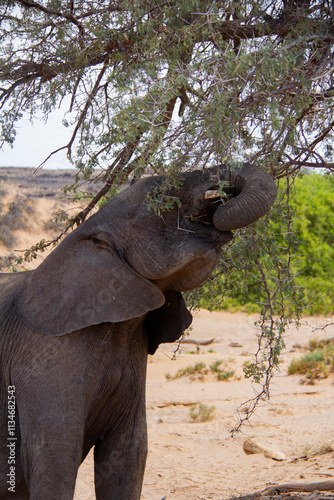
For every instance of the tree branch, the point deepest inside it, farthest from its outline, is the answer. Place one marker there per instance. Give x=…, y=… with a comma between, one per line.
x=66, y=15
x=112, y=173
x=94, y=55
x=80, y=119
x=283, y=488
x=87, y=105
x=118, y=166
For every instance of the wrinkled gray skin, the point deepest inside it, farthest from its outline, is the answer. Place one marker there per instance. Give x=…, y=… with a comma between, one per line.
x=75, y=332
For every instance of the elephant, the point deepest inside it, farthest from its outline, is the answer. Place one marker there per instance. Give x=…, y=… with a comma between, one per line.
x=75, y=333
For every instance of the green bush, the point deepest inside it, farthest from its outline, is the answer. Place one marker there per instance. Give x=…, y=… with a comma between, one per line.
x=288, y=258
x=308, y=364
x=314, y=226
x=222, y=374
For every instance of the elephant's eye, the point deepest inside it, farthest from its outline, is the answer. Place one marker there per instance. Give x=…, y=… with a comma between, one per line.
x=101, y=242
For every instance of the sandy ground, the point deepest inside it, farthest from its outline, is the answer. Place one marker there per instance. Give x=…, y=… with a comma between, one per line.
x=190, y=460
x=37, y=197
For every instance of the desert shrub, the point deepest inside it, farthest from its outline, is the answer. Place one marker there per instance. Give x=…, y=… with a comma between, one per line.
x=222, y=373
x=215, y=366
x=202, y=412
x=53, y=226
x=311, y=363
x=6, y=262
x=322, y=449
x=321, y=344
x=12, y=220
x=6, y=236
x=199, y=370
x=317, y=363
x=2, y=194
x=225, y=375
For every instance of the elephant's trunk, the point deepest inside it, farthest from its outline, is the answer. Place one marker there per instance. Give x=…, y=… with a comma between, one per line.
x=254, y=192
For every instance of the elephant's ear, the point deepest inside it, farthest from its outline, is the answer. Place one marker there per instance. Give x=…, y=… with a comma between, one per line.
x=83, y=282
x=167, y=323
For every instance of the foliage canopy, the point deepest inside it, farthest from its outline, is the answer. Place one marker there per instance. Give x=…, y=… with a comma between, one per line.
x=154, y=86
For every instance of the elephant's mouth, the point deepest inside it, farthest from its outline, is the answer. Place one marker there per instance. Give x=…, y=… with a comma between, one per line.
x=206, y=215
x=198, y=218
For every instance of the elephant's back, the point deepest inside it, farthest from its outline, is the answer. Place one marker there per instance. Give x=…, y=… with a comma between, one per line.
x=10, y=283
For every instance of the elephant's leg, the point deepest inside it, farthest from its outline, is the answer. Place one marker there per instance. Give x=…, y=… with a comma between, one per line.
x=18, y=493
x=8, y=495
x=51, y=465
x=52, y=437
x=120, y=460
x=12, y=486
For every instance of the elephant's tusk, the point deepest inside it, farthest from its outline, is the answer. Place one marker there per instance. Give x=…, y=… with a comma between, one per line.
x=212, y=194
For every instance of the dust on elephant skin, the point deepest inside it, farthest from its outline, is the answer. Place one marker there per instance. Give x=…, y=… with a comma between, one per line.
x=75, y=332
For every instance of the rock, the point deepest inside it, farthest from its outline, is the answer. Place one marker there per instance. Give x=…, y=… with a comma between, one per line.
x=251, y=446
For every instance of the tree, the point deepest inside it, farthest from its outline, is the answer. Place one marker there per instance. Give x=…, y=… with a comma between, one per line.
x=249, y=80
x=157, y=86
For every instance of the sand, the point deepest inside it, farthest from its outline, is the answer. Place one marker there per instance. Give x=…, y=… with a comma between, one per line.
x=190, y=460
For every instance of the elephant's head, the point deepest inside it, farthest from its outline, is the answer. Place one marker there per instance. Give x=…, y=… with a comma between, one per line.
x=180, y=249
x=126, y=261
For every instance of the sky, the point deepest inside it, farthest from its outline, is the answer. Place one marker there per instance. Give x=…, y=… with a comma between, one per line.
x=35, y=142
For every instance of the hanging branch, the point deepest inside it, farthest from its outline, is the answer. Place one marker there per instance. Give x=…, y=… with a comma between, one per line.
x=81, y=118
x=112, y=173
